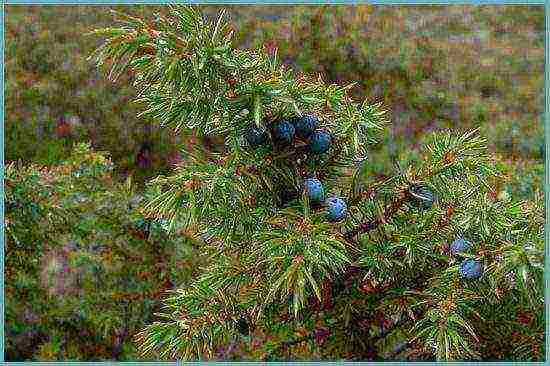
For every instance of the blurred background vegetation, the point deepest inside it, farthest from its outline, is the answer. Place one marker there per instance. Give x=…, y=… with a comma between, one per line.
x=433, y=67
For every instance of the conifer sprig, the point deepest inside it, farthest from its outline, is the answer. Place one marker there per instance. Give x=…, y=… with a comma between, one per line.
x=271, y=248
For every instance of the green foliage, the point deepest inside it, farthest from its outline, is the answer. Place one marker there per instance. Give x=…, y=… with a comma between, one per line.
x=78, y=265
x=269, y=258
x=435, y=67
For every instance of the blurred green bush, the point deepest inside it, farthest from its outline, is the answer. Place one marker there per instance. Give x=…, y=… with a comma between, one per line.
x=54, y=97
x=83, y=269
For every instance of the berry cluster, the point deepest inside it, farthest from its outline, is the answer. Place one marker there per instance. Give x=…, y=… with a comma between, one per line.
x=284, y=132
x=469, y=268
x=305, y=128
x=335, y=206
x=423, y=199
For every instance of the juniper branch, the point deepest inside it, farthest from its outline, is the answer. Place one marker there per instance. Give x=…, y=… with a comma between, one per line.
x=263, y=254
x=367, y=226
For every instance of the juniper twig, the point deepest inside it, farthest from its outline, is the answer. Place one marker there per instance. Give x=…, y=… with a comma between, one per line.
x=390, y=211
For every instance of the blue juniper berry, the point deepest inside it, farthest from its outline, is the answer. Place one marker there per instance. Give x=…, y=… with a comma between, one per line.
x=243, y=325
x=460, y=245
x=284, y=132
x=422, y=197
x=319, y=142
x=314, y=190
x=256, y=136
x=305, y=125
x=470, y=269
x=336, y=209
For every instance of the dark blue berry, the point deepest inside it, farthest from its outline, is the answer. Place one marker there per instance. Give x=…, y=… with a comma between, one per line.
x=460, y=245
x=305, y=125
x=319, y=142
x=256, y=136
x=243, y=326
x=422, y=197
x=284, y=132
x=336, y=209
x=470, y=269
x=314, y=190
